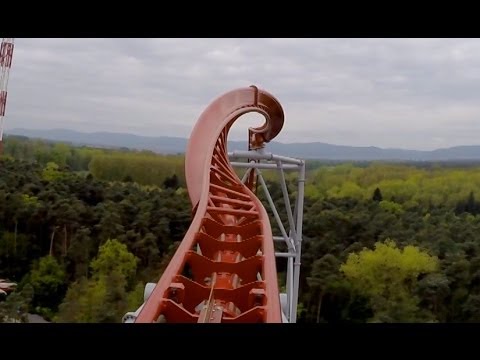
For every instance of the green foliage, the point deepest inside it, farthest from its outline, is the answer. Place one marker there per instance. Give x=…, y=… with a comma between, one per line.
x=425, y=185
x=471, y=308
x=300, y=310
x=346, y=190
x=17, y=305
x=135, y=297
x=391, y=207
x=30, y=201
x=324, y=273
x=171, y=182
x=311, y=191
x=144, y=168
x=113, y=257
x=60, y=154
x=434, y=289
x=84, y=302
x=48, y=281
x=69, y=201
x=324, y=279
x=104, y=297
x=51, y=172
x=388, y=277
x=377, y=195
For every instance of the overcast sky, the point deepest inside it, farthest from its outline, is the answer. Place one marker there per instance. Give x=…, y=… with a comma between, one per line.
x=401, y=93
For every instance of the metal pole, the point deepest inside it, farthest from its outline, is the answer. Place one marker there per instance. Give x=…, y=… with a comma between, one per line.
x=244, y=178
x=264, y=166
x=290, y=277
x=275, y=212
x=286, y=199
x=290, y=287
x=285, y=255
x=301, y=188
x=264, y=156
x=291, y=268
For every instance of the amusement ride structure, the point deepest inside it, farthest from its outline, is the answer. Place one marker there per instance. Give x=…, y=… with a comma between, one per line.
x=6, y=55
x=224, y=270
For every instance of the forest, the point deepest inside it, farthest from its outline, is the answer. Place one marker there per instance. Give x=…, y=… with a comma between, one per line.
x=83, y=229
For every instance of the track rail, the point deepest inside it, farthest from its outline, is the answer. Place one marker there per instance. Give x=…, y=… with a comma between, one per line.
x=224, y=269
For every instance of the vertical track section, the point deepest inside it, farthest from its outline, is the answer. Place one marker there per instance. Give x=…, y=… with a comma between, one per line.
x=224, y=269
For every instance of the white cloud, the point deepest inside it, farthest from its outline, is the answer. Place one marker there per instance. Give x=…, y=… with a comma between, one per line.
x=408, y=93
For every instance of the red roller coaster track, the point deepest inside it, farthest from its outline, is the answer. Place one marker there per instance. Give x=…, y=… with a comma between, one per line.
x=224, y=269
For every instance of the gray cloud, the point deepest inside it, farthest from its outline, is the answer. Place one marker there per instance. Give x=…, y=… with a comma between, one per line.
x=400, y=93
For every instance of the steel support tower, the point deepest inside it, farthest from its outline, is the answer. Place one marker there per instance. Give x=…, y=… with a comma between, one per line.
x=6, y=55
x=292, y=236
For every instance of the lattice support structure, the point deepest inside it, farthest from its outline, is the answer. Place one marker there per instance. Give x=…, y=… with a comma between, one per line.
x=292, y=236
x=6, y=56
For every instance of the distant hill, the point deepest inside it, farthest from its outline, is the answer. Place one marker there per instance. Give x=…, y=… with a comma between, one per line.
x=313, y=150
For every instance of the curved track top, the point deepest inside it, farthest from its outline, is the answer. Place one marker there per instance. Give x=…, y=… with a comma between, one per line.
x=224, y=269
